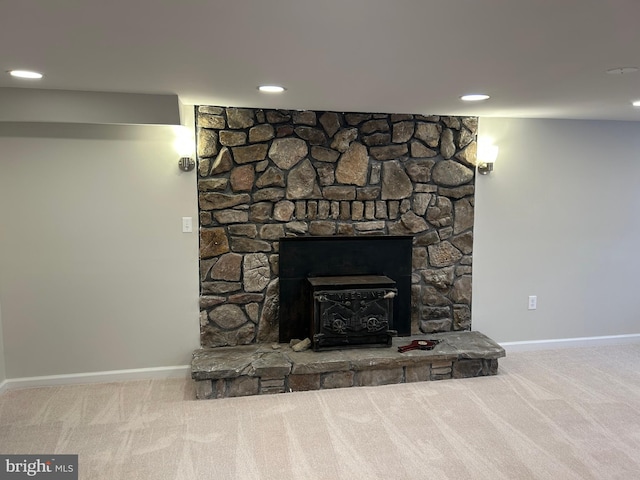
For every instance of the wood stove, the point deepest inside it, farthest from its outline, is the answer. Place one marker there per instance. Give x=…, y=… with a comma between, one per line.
x=352, y=311
x=306, y=262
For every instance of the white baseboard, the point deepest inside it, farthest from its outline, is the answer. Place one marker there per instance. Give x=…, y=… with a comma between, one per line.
x=528, y=346
x=179, y=371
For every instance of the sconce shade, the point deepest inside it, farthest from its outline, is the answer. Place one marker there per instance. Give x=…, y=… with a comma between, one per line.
x=487, y=155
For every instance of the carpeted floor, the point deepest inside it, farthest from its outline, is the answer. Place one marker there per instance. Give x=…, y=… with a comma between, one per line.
x=559, y=414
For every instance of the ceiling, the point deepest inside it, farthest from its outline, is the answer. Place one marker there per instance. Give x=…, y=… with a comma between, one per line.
x=536, y=58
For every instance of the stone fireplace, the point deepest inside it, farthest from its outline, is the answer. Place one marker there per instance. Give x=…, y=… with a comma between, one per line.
x=264, y=175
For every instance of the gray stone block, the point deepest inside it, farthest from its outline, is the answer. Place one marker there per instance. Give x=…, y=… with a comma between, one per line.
x=204, y=389
x=243, y=386
x=272, y=386
x=218, y=363
x=271, y=365
x=337, y=380
x=318, y=362
x=419, y=373
x=467, y=368
x=441, y=371
x=384, y=376
x=219, y=388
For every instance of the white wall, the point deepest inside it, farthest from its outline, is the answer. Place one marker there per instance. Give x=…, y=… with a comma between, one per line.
x=558, y=218
x=95, y=272
x=96, y=275
x=3, y=374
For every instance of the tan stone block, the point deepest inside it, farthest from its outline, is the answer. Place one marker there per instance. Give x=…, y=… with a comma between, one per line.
x=357, y=211
x=252, y=153
x=441, y=371
x=227, y=268
x=240, y=117
x=242, y=178
x=230, y=138
x=345, y=211
x=261, y=133
x=322, y=227
x=213, y=242
x=287, y=152
x=353, y=166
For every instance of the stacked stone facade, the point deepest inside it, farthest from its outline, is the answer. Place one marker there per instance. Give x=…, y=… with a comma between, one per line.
x=265, y=174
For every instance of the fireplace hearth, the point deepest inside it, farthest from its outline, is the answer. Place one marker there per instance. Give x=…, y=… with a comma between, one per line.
x=260, y=369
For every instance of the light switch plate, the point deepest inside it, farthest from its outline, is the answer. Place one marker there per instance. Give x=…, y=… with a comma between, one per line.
x=187, y=224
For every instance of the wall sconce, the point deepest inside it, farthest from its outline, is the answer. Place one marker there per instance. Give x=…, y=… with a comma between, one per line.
x=487, y=154
x=184, y=145
x=186, y=164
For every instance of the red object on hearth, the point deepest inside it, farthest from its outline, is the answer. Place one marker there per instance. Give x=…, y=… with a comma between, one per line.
x=419, y=345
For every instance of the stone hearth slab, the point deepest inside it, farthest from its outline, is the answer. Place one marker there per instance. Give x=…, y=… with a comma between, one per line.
x=265, y=368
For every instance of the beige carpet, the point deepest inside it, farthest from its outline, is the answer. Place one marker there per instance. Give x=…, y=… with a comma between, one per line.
x=561, y=414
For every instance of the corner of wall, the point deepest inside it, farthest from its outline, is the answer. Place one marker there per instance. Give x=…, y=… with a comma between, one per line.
x=187, y=115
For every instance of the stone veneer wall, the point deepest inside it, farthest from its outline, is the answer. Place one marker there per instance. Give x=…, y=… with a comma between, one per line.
x=265, y=174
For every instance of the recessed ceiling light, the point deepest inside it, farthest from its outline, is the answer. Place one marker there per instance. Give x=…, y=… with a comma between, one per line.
x=271, y=88
x=475, y=97
x=622, y=70
x=636, y=103
x=25, y=74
